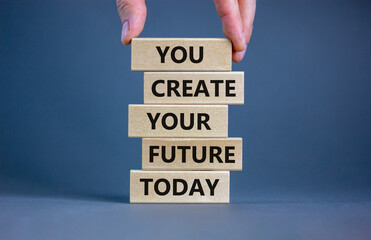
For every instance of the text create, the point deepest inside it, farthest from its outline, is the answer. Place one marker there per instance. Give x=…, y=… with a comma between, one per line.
x=173, y=86
x=194, y=88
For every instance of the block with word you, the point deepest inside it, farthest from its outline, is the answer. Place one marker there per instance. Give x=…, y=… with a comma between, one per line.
x=181, y=54
x=179, y=186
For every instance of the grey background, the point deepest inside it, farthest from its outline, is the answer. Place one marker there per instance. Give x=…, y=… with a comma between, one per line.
x=65, y=156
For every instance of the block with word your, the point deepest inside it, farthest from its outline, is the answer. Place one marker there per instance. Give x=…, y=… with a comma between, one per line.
x=178, y=121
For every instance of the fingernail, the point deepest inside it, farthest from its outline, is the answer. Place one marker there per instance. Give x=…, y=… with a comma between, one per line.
x=125, y=29
x=244, y=40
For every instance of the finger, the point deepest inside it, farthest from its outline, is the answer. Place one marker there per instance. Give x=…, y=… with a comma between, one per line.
x=229, y=13
x=247, y=12
x=133, y=16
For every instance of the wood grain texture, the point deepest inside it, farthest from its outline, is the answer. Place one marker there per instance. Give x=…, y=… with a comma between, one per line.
x=172, y=121
x=192, y=154
x=146, y=54
x=191, y=186
x=194, y=88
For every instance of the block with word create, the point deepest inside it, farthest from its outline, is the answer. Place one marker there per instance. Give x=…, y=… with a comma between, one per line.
x=194, y=88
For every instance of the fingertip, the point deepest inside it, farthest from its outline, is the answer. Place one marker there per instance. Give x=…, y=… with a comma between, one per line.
x=238, y=56
x=126, y=42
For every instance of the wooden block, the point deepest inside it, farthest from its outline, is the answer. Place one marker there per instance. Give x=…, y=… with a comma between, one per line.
x=179, y=186
x=193, y=87
x=192, y=154
x=178, y=121
x=181, y=54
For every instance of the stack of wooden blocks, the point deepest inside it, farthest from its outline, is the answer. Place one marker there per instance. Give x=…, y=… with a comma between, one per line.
x=186, y=152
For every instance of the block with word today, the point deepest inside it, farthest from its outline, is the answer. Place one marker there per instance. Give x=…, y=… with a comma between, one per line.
x=192, y=154
x=179, y=186
x=178, y=121
x=181, y=54
x=194, y=87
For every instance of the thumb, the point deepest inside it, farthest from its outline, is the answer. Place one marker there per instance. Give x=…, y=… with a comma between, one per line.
x=133, y=16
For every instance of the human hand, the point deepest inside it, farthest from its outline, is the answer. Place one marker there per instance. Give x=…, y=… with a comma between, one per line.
x=237, y=19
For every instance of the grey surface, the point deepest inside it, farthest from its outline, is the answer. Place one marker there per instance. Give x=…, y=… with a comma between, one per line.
x=65, y=83
x=52, y=218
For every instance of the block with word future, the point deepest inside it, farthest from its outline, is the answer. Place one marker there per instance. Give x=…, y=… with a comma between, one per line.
x=192, y=154
x=178, y=121
x=179, y=186
x=181, y=54
x=193, y=87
